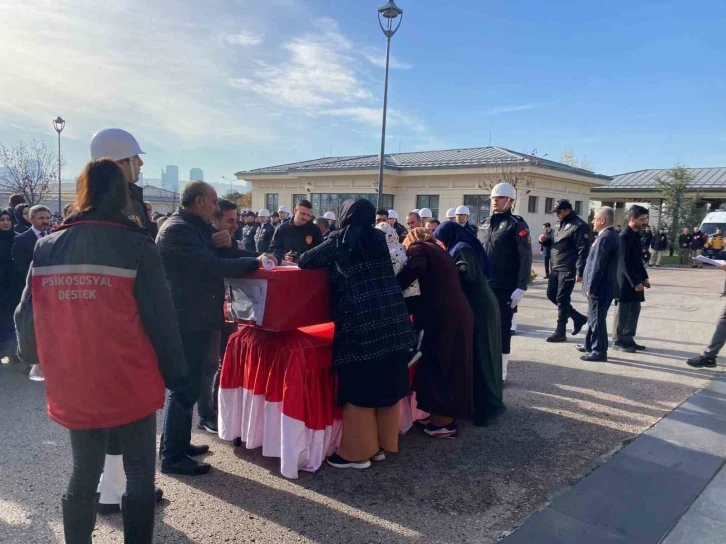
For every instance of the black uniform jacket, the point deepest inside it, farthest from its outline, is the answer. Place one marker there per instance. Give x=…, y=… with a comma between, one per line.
x=571, y=245
x=288, y=237
x=508, y=244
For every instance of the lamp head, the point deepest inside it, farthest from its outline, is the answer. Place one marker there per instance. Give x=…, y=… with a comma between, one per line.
x=58, y=124
x=390, y=10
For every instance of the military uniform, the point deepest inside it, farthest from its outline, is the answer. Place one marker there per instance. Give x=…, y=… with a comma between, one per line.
x=570, y=247
x=508, y=244
x=263, y=238
x=137, y=212
x=249, y=232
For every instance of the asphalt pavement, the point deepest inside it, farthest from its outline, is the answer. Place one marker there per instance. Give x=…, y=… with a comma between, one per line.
x=565, y=418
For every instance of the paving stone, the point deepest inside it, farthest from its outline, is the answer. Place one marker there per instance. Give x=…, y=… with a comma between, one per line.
x=697, y=529
x=712, y=502
x=697, y=463
x=632, y=498
x=553, y=527
x=706, y=402
x=694, y=431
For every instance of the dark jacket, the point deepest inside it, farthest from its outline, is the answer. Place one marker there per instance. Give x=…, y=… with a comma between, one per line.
x=571, y=245
x=546, y=246
x=137, y=212
x=508, y=244
x=371, y=319
x=631, y=268
x=263, y=238
x=22, y=252
x=248, y=236
x=646, y=239
x=660, y=242
x=401, y=231
x=298, y=240
x=601, y=270
x=684, y=241
x=196, y=273
x=103, y=336
x=699, y=240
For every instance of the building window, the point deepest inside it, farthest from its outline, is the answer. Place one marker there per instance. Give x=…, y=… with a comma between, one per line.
x=271, y=202
x=428, y=201
x=578, y=207
x=532, y=204
x=479, y=208
x=549, y=204
x=331, y=202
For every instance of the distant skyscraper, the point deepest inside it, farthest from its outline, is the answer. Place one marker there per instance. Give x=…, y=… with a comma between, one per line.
x=196, y=174
x=170, y=178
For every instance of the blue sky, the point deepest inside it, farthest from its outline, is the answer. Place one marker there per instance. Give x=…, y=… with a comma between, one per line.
x=229, y=86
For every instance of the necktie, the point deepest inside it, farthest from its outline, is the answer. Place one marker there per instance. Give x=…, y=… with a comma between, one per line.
x=42, y=234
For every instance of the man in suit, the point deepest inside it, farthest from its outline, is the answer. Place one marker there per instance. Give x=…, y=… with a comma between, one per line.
x=24, y=244
x=632, y=281
x=600, y=284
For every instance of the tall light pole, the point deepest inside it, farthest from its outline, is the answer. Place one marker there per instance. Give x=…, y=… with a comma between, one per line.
x=390, y=11
x=59, y=124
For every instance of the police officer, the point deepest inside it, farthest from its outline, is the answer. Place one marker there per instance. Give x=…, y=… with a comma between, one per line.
x=507, y=242
x=462, y=217
x=264, y=234
x=249, y=231
x=400, y=229
x=330, y=216
x=285, y=214
x=570, y=248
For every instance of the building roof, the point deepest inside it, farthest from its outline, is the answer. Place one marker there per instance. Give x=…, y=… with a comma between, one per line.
x=646, y=180
x=449, y=158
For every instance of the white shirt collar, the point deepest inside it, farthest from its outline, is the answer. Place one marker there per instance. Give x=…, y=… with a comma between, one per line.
x=38, y=234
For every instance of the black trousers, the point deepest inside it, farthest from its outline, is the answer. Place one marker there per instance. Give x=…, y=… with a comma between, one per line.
x=180, y=402
x=626, y=322
x=597, y=332
x=207, y=404
x=138, y=446
x=559, y=292
x=547, y=266
x=504, y=298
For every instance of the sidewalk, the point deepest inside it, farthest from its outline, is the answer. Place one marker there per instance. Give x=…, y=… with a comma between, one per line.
x=668, y=485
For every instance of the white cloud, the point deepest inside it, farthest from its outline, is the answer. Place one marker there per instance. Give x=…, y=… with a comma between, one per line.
x=373, y=116
x=507, y=109
x=243, y=39
x=378, y=58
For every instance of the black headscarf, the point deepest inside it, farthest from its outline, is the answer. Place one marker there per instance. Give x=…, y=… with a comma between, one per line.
x=455, y=238
x=21, y=224
x=6, y=239
x=356, y=234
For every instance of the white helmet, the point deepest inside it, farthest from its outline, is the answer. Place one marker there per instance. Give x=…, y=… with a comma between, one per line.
x=416, y=211
x=425, y=213
x=451, y=212
x=392, y=214
x=283, y=209
x=114, y=143
x=264, y=213
x=504, y=189
x=329, y=215
x=462, y=210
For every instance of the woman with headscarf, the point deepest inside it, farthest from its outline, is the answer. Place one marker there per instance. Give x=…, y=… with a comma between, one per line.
x=398, y=259
x=473, y=266
x=443, y=382
x=22, y=214
x=373, y=335
x=9, y=287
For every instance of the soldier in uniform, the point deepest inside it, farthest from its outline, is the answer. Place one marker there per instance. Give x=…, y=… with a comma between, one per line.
x=570, y=248
x=249, y=231
x=263, y=238
x=507, y=242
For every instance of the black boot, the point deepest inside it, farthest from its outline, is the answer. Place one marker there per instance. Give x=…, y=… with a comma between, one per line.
x=79, y=518
x=138, y=517
x=579, y=321
x=557, y=336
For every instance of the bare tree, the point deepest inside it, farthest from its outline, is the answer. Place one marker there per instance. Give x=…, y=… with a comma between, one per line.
x=516, y=172
x=568, y=157
x=29, y=169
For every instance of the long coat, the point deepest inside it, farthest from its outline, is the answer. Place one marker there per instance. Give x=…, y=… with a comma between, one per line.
x=443, y=381
x=601, y=269
x=631, y=268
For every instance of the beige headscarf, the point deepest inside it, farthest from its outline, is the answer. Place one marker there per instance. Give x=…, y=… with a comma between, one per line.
x=419, y=234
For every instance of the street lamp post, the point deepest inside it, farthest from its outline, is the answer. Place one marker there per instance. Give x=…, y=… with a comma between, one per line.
x=390, y=11
x=59, y=124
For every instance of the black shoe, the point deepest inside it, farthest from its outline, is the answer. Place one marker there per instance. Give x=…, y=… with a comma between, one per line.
x=638, y=347
x=557, y=337
x=702, y=361
x=79, y=517
x=623, y=347
x=581, y=348
x=158, y=495
x=337, y=461
x=138, y=518
x=193, y=451
x=578, y=324
x=208, y=425
x=186, y=466
x=595, y=357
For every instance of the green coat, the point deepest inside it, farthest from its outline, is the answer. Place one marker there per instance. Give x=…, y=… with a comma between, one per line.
x=487, y=337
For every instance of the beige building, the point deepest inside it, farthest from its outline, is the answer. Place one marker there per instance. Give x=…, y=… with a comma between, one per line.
x=432, y=179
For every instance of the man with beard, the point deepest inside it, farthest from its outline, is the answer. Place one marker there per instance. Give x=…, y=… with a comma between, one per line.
x=295, y=237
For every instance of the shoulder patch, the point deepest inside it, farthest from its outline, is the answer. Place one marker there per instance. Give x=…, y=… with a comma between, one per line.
x=586, y=236
x=522, y=233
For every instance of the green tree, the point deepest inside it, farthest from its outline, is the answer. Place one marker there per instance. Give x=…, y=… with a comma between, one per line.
x=680, y=204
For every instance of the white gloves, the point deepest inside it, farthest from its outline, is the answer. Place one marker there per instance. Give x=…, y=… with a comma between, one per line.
x=516, y=297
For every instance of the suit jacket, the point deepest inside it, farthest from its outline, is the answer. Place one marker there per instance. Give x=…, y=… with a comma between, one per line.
x=601, y=269
x=631, y=268
x=23, y=253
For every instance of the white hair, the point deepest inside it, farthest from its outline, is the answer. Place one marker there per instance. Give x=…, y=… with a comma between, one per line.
x=607, y=213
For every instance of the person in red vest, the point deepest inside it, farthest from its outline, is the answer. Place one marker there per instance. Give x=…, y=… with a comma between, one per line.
x=110, y=350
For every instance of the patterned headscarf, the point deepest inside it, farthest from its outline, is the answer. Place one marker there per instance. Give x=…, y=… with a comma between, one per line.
x=419, y=234
x=399, y=258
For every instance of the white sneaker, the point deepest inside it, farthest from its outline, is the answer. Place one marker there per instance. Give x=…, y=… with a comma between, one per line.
x=36, y=374
x=380, y=456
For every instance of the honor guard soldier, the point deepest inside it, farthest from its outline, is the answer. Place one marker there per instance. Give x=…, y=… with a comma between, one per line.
x=507, y=242
x=265, y=232
x=570, y=248
x=249, y=231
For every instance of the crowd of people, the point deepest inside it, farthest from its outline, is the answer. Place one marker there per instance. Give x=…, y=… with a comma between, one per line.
x=113, y=271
